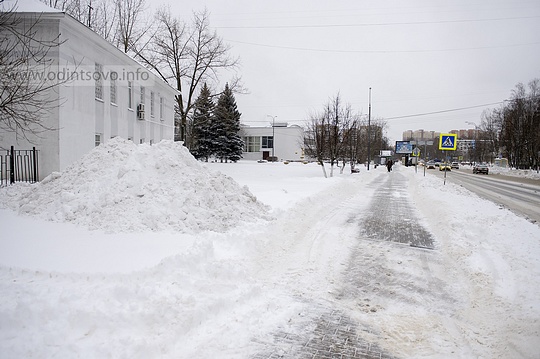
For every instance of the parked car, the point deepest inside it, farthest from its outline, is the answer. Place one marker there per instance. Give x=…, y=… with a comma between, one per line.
x=455, y=165
x=430, y=165
x=444, y=167
x=480, y=168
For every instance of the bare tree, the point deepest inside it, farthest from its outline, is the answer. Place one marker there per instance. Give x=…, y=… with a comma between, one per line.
x=27, y=91
x=352, y=141
x=332, y=135
x=79, y=9
x=340, y=119
x=378, y=139
x=358, y=149
x=490, y=127
x=186, y=56
x=120, y=22
x=315, y=139
x=521, y=125
x=104, y=20
x=130, y=23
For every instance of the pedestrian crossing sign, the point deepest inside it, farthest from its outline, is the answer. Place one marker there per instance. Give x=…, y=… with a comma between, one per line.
x=448, y=141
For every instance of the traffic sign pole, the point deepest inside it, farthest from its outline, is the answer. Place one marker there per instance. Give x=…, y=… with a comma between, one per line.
x=447, y=142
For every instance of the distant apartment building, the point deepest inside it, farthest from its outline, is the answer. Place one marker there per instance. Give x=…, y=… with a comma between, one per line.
x=423, y=135
x=467, y=134
x=420, y=135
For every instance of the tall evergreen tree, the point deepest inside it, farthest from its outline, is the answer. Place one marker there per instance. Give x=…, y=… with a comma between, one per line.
x=202, y=125
x=228, y=143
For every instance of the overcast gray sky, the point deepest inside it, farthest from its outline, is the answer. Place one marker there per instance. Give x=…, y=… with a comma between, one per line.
x=418, y=56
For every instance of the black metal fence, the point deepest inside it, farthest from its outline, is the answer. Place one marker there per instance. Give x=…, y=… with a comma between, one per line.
x=19, y=166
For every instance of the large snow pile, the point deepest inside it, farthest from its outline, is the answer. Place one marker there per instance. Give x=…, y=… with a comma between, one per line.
x=120, y=186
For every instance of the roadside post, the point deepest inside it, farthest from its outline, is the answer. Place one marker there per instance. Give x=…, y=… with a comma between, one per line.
x=416, y=153
x=447, y=142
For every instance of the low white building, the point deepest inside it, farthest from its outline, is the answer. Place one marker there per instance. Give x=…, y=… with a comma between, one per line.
x=281, y=141
x=101, y=93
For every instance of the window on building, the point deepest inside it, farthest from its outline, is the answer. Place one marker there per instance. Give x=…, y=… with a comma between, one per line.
x=252, y=144
x=267, y=141
x=97, y=139
x=142, y=94
x=152, y=103
x=130, y=94
x=141, y=141
x=161, y=106
x=98, y=79
x=113, y=87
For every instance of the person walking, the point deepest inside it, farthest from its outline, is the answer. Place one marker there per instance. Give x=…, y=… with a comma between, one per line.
x=389, y=164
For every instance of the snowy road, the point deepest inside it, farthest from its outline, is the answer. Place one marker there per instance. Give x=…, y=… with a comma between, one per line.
x=519, y=195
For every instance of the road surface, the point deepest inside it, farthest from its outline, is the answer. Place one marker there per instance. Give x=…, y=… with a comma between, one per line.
x=520, y=195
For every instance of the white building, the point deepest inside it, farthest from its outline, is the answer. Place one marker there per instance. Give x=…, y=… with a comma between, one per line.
x=101, y=93
x=281, y=141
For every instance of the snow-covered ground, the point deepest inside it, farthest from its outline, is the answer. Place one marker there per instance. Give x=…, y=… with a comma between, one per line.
x=534, y=174
x=142, y=252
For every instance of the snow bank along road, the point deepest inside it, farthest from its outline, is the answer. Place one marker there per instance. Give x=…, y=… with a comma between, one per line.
x=406, y=288
x=521, y=195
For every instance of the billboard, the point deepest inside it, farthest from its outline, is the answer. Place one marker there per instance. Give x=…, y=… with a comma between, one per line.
x=404, y=147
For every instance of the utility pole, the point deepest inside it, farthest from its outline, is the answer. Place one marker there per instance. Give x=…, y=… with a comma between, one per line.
x=369, y=132
x=90, y=8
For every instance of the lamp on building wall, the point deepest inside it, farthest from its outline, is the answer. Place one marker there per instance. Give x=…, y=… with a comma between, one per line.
x=273, y=137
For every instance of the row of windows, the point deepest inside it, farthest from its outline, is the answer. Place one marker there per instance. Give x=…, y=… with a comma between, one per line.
x=114, y=91
x=255, y=143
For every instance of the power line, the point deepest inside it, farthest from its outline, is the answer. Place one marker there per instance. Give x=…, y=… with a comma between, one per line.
x=379, y=51
x=461, y=108
x=443, y=111
x=432, y=113
x=376, y=24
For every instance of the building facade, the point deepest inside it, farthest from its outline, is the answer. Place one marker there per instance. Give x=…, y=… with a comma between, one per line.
x=100, y=93
x=280, y=142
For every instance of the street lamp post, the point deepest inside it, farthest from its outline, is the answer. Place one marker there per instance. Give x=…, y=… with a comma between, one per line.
x=475, y=137
x=273, y=135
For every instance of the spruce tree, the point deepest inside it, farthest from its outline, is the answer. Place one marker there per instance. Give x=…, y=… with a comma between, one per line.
x=228, y=143
x=202, y=122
